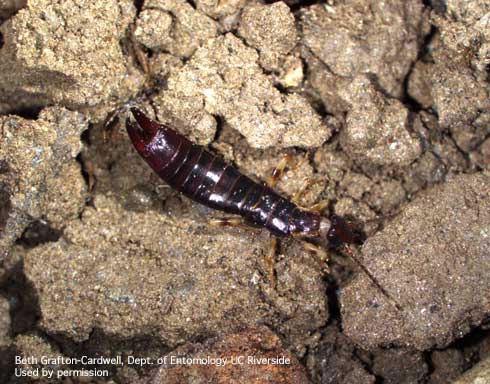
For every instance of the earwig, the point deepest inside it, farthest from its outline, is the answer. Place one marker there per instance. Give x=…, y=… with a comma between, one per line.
x=207, y=179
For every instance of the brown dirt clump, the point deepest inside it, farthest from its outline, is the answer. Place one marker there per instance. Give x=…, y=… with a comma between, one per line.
x=431, y=261
x=376, y=128
x=223, y=78
x=39, y=177
x=174, y=26
x=447, y=365
x=399, y=366
x=259, y=343
x=66, y=53
x=359, y=37
x=273, y=39
x=459, y=77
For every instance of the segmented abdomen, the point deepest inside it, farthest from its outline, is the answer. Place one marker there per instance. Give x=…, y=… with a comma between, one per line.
x=207, y=179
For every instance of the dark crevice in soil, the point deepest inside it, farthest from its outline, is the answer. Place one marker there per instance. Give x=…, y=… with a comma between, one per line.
x=139, y=5
x=459, y=149
x=412, y=104
x=295, y=5
x=28, y=113
x=311, y=96
x=88, y=178
x=481, y=142
x=24, y=303
x=281, y=88
x=85, y=174
x=471, y=345
x=24, y=313
x=5, y=205
x=1, y=40
x=428, y=361
x=220, y=122
x=437, y=5
x=85, y=137
x=374, y=79
x=319, y=107
x=37, y=233
x=426, y=48
x=332, y=289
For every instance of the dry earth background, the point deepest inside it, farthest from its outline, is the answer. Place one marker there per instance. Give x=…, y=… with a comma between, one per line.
x=385, y=104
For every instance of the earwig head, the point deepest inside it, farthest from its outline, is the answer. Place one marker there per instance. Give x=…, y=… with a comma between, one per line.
x=141, y=130
x=340, y=232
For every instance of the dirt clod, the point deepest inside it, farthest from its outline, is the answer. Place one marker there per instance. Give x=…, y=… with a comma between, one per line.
x=431, y=262
x=66, y=52
x=153, y=28
x=190, y=28
x=447, y=365
x=376, y=128
x=258, y=343
x=359, y=37
x=39, y=177
x=223, y=78
x=400, y=366
x=333, y=359
x=273, y=40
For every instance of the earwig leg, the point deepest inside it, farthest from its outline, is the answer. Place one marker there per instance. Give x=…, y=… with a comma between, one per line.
x=319, y=207
x=227, y=222
x=279, y=170
x=308, y=183
x=270, y=261
x=232, y=222
x=320, y=252
x=301, y=162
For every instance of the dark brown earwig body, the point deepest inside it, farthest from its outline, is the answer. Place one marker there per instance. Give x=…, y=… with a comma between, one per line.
x=207, y=179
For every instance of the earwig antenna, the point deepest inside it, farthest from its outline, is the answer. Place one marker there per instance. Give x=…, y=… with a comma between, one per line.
x=391, y=300
x=380, y=219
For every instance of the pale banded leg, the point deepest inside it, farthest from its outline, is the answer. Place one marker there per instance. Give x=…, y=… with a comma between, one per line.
x=279, y=170
x=320, y=252
x=318, y=207
x=226, y=221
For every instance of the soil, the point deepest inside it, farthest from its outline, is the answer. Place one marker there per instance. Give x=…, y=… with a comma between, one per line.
x=384, y=109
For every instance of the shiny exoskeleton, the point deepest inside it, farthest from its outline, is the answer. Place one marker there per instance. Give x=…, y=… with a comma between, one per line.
x=207, y=179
